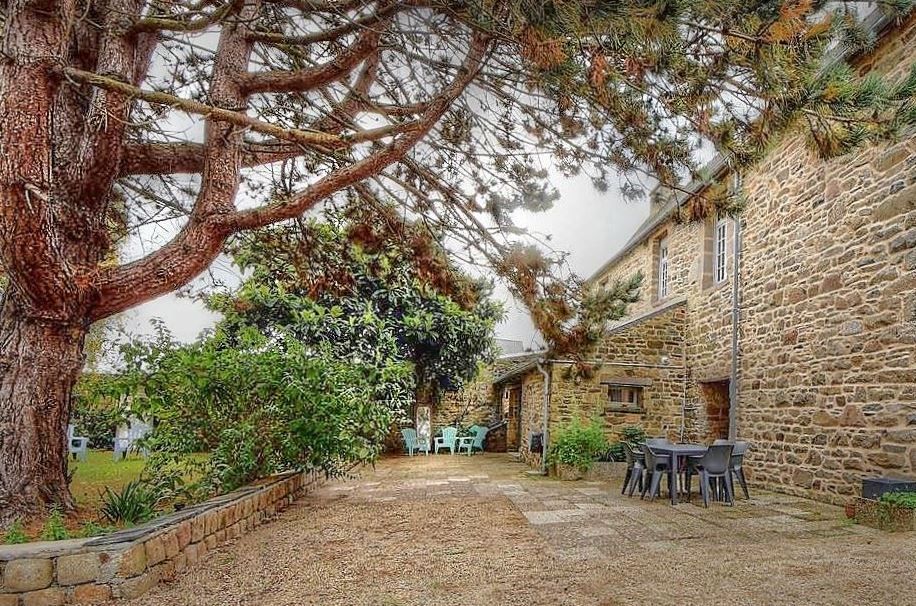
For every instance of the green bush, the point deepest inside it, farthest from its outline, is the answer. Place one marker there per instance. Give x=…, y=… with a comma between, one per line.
x=97, y=409
x=259, y=405
x=54, y=528
x=134, y=503
x=900, y=499
x=578, y=444
x=15, y=534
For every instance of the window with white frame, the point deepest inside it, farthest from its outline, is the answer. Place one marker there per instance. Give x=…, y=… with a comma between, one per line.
x=720, y=251
x=663, y=268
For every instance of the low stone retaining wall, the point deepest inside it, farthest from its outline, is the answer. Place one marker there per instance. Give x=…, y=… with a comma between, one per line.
x=598, y=472
x=128, y=563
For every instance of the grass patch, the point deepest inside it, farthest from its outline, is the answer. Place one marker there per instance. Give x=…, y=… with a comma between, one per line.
x=101, y=471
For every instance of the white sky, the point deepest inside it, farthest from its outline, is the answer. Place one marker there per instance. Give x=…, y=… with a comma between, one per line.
x=589, y=225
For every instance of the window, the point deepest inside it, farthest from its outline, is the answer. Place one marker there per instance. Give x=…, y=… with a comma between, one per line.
x=624, y=397
x=663, y=268
x=720, y=259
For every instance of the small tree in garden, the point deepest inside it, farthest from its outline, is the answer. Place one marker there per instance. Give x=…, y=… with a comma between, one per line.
x=117, y=115
x=370, y=290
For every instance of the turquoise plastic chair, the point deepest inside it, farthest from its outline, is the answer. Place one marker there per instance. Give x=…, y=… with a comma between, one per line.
x=411, y=443
x=447, y=439
x=479, y=437
x=410, y=439
x=480, y=433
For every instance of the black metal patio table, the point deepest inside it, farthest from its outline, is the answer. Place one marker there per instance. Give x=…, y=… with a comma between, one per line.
x=675, y=452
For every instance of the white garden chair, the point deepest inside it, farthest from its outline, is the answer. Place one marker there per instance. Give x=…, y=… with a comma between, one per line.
x=78, y=446
x=127, y=435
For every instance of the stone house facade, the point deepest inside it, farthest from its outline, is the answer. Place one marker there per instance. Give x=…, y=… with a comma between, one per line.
x=824, y=377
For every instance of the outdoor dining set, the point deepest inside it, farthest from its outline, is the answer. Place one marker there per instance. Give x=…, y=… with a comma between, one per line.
x=717, y=466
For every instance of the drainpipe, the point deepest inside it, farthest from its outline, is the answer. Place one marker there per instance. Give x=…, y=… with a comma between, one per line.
x=733, y=380
x=546, y=413
x=682, y=435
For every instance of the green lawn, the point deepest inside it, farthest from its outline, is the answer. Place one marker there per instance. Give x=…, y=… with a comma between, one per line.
x=90, y=478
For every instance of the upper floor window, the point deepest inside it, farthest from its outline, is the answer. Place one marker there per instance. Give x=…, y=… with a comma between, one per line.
x=720, y=251
x=663, y=268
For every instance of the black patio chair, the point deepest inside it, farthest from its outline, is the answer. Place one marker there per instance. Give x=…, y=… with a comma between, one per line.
x=714, y=465
x=636, y=467
x=656, y=467
x=736, y=466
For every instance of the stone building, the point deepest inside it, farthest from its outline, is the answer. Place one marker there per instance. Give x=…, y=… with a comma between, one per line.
x=480, y=402
x=812, y=358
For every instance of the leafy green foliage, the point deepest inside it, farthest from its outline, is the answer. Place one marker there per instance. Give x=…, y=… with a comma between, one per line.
x=899, y=499
x=15, y=534
x=54, y=528
x=258, y=405
x=133, y=504
x=93, y=529
x=372, y=290
x=97, y=408
x=577, y=444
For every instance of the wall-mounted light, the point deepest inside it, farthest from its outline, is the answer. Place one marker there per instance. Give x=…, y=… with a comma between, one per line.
x=665, y=361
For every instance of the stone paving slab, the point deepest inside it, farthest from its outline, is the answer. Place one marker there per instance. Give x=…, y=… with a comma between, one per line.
x=592, y=519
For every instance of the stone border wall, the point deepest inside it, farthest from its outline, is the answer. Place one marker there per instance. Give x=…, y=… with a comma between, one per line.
x=127, y=563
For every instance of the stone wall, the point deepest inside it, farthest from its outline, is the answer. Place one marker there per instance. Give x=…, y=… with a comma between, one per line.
x=708, y=305
x=827, y=374
x=648, y=351
x=828, y=335
x=128, y=563
x=475, y=404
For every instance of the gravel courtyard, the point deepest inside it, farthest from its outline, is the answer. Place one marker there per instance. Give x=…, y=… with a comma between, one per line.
x=478, y=530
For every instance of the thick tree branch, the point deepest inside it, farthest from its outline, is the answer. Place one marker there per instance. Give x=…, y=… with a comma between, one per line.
x=372, y=164
x=183, y=24
x=334, y=33
x=198, y=243
x=316, y=77
x=188, y=158
x=317, y=140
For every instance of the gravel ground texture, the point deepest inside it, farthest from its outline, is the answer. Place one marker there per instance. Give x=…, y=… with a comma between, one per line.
x=480, y=531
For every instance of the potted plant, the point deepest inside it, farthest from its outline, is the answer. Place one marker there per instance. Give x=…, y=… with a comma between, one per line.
x=574, y=448
x=893, y=511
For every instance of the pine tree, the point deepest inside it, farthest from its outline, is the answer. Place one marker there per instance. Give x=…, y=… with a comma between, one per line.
x=216, y=117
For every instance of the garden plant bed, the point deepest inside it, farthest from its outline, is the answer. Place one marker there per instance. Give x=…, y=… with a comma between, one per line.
x=884, y=516
x=127, y=563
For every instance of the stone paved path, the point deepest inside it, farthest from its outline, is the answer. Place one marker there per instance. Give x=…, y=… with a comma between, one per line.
x=479, y=530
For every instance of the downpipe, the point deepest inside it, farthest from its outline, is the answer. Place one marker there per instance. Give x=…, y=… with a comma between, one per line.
x=545, y=415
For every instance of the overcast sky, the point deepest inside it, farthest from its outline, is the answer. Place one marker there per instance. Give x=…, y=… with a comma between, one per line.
x=589, y=225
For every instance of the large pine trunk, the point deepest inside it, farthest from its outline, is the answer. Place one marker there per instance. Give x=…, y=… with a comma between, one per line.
x=40, y=362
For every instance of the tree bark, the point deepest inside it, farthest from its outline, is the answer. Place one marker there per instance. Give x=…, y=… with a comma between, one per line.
x=40, y=361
